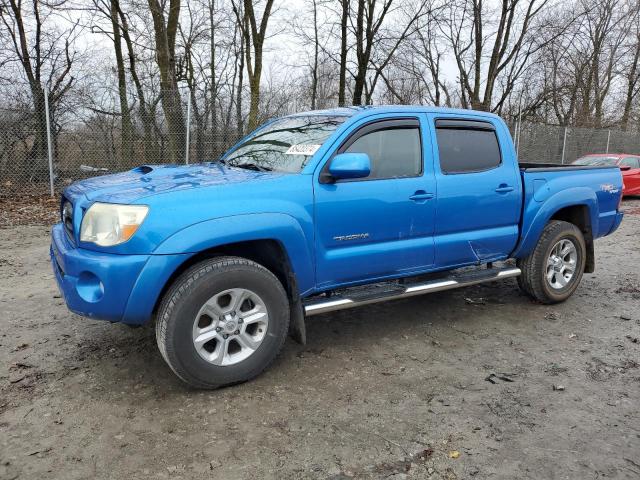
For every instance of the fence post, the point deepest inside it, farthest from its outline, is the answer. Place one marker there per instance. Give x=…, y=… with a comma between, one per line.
x=519, y=127
x=608, y=138
x=49, y=148
x=564, y=145
x=186, y=150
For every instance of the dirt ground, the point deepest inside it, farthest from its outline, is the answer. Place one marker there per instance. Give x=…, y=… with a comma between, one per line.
x=386, y=391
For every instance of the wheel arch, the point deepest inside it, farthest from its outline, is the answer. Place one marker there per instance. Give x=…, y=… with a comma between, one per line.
x=579, y=216
x=578, y=206
x=275, y=241
x=269, y=253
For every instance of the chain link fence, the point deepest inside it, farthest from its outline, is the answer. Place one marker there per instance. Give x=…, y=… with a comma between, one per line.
x=87, y=142
x=36, y=155
x=538, y=143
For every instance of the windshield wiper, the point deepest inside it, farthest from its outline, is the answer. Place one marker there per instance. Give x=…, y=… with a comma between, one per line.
x=251, y=166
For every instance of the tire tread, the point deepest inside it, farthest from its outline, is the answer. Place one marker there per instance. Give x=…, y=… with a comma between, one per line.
x=532, y=277
x=182, y=287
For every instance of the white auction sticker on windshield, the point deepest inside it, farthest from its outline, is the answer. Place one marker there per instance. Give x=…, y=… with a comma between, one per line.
x=302, y=149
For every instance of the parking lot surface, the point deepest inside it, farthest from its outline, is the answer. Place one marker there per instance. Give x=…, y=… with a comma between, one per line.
x=472, y=383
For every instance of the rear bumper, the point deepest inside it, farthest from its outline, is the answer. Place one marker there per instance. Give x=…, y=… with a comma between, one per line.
x=117, y=288
x=616, y=222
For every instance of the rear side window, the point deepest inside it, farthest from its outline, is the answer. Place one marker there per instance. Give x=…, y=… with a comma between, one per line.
x=394, y=152
x=633, y=162
x=466, y=146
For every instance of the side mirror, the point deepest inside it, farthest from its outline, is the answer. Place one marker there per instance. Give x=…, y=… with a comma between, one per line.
x=624, y=168
x=350, y=165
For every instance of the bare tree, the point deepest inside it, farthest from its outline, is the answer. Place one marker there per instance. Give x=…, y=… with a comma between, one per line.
x=415, y=75
x=45, y=56
x=505, y=36
x=632, y=72
x=110, y=10
x=253, y=36
x=368, y=22
x=146, y=116
x=344, y=18
x=165, y=45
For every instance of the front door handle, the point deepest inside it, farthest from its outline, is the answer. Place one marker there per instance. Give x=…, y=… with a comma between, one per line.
x=421, y=195
x=504, y=188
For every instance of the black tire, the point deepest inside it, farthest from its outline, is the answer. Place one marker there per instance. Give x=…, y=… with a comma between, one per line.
x=533, y=280
x=182, y=302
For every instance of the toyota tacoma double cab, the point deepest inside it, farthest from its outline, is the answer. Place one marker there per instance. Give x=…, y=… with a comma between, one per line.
x=321, y=211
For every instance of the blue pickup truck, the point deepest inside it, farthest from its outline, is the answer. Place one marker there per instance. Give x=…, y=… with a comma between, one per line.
x=317, y=212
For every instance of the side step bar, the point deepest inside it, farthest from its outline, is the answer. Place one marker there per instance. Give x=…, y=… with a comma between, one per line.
x=376, y=294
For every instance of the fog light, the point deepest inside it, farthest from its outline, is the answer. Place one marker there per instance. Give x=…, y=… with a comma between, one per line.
x=89, y=287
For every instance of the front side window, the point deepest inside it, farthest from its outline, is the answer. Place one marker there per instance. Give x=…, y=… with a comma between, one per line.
x=393, y=152
x=632, y=162
x=285, y=145
x=466, y=150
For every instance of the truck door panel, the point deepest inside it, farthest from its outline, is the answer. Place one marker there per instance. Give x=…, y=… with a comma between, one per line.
x=381, y=225
x=479, y=192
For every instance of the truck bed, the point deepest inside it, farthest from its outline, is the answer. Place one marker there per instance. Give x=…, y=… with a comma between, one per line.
x=556, y=167
x=588, y=192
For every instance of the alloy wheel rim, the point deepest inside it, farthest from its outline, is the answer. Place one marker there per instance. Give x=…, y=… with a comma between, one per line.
x=561, y=264
x=230, y=326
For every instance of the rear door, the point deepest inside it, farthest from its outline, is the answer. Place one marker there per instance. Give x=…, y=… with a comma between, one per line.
x=382, y=225
x=479, y=193
x=631, y=177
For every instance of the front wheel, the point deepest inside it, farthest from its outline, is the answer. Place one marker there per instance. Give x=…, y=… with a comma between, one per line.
x=222, y=322
x=552, y=272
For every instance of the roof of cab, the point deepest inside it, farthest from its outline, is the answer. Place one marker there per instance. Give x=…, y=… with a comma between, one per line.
x=363, y=110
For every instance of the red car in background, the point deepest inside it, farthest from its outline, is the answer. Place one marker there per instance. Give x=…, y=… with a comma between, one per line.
x=629, y=165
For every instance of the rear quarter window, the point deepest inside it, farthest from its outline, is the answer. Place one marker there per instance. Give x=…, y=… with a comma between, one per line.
x=467, y=149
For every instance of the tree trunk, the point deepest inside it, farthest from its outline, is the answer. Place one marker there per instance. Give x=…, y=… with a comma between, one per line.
x=254, y=89
x=239, y=126
x=361, y=74
x=343, y=52
x=165, y=39
x=39, y=154
x=212, y=68
x=150, y=153
x=125, y=113
x=633, y=77
x=314, y=71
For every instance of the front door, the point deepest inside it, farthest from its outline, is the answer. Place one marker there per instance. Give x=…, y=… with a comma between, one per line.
x=382, y=225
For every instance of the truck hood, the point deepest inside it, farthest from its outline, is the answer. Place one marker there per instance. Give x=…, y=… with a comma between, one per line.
x=148, y=180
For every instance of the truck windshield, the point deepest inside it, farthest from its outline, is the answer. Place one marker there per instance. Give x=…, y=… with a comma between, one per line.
x=285, y=145
x=596, y=160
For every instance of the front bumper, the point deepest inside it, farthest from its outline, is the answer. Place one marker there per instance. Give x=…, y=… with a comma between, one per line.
x=93, y=284
x=104, y=286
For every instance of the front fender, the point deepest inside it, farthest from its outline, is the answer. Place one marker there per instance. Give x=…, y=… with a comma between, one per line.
x=538, y=213
x=240, y=228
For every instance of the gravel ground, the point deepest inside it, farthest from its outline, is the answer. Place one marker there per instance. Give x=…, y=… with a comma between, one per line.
x=396, y=390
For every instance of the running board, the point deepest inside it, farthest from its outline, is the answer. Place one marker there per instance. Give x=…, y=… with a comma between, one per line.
x=388, y=292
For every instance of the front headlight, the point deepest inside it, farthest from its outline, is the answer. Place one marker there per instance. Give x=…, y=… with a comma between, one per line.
x=108, y=224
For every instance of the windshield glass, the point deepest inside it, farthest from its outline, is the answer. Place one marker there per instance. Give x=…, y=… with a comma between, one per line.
x=596, y=160
x=285, y=145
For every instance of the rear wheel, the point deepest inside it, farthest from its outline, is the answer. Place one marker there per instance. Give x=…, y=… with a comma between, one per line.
x=222, y=322
x=552, y=272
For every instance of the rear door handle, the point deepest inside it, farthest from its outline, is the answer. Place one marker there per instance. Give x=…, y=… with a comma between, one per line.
x=504, y=188
x=421, y=195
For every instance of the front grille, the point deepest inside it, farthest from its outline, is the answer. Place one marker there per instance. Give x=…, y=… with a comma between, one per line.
x=67, y=217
